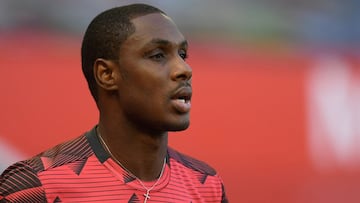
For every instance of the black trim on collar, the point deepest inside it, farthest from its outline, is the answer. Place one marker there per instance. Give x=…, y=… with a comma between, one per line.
x=96, y=146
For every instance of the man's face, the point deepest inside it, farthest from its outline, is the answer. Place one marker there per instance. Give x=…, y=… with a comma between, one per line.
x=155, y=89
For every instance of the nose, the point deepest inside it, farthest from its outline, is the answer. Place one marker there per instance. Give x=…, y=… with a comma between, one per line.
x=181, y=71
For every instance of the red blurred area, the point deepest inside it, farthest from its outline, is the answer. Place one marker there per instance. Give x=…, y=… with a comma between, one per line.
x=248, y=116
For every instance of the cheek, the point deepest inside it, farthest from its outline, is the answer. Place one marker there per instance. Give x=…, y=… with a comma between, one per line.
x=150, y=84
x=147, y=84
x=151, y=91
x=146, y=92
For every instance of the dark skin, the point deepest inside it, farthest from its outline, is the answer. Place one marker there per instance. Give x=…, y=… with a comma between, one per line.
x=144, y=94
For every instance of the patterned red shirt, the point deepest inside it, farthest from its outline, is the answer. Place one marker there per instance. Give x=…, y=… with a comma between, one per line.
x=82, y=171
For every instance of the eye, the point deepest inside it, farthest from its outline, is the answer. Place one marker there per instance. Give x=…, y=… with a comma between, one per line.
x=183, y=54
x=157, y=56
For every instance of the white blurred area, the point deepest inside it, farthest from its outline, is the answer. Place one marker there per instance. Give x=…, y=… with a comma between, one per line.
x=333, y=89
x=8, y=154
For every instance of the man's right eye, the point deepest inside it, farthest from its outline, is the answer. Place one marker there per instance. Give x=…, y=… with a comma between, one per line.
x=157, y=56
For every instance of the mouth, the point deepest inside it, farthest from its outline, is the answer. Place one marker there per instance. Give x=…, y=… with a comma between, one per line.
x=183, y=95
x=182, y=100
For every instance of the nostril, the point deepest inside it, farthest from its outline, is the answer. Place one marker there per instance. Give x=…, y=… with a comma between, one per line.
x=183, y=76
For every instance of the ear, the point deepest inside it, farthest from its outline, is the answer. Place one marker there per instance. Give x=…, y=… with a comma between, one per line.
x=106, y=74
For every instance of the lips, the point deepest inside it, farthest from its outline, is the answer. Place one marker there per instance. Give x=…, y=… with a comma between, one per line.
x=182, y=99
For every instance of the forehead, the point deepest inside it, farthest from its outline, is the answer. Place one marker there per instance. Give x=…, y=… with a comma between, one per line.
x=154, y=26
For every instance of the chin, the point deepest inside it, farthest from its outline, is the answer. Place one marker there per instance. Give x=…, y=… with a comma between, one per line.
x=179, y=126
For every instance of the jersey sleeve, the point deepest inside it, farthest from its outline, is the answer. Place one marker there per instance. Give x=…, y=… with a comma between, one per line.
x=20, y=183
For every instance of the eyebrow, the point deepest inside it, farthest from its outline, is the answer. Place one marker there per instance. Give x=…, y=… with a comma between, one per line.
x=165, y=42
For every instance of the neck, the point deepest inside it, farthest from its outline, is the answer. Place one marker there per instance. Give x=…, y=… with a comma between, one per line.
x=141, y=154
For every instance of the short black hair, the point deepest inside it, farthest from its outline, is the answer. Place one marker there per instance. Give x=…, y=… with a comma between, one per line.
x=105, y=34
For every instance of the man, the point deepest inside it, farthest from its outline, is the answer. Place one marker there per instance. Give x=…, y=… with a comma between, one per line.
x=133, y=58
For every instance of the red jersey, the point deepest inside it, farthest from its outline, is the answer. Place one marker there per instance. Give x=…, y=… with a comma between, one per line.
x=81, y=170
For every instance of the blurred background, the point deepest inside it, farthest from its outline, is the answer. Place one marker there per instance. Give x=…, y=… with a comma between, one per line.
x=276, y=107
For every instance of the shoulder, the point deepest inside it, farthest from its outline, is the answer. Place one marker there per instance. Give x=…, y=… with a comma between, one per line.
x=20, y=182
x=64, y=153
x=191, y=163
x=202, y=171
x=22, y=178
